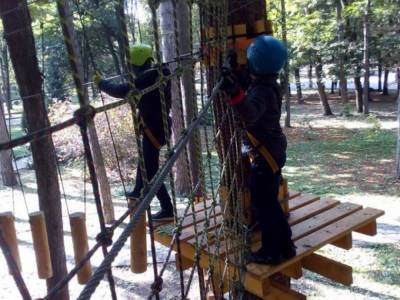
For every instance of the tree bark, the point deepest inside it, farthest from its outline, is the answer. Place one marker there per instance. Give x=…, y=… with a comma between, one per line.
x=6, y=162
x=398, y=139
x=359, y=94
x=298, y=86
x=286, y=67
x=21, y=45
x=398, y=81
x=342, y=73
x=78, y=74
x=5, y=75
x=310, y=82
x=186, y=176
x=321, y=91
x=182, y=175
x=385, y=90
x=366, y=58
x=380, y=77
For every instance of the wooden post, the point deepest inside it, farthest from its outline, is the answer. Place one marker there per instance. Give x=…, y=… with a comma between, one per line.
x=138, y=245
x=80, y=243
x=7, y=226
x=41, y=244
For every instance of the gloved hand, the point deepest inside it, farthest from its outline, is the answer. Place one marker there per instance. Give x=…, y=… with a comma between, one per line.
x=97, y=78
x=230, y=85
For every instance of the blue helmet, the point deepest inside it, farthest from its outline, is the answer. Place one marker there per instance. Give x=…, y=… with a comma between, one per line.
x=266, y=55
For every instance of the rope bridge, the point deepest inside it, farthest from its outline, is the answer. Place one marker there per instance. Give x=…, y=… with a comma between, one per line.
x=211, y=234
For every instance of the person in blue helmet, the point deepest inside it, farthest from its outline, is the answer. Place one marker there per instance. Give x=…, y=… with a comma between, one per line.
x=258, y=104
x=151, y=119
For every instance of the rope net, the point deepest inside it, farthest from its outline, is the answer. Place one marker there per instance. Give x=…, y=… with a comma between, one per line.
x=210, y=142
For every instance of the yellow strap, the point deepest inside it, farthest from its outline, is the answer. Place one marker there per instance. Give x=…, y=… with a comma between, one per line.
x=264, y=152
x=150, y=135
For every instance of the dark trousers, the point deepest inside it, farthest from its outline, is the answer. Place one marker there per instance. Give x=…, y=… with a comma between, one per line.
x=151, y=160
x=275, y=230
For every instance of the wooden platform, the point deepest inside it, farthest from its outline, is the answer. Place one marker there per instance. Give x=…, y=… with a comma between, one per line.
x=315, y=222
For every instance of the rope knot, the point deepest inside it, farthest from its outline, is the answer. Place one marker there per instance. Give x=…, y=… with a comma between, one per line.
x=83, y=115
x=105, y=237
x=157, y=285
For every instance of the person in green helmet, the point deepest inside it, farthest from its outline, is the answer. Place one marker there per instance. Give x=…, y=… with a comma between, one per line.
x=151, y=119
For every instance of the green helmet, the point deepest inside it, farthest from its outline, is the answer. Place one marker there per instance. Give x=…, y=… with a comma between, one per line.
x=139, y=54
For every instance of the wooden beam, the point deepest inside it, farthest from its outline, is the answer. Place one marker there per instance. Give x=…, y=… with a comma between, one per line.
x=345, y=242
x=280, y=292
x=294, y=270
x=186, y=262
x=311, y=209
x=329, y=268
x=369, y=229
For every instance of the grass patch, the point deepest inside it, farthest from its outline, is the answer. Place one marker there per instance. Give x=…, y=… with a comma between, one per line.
x=332, y=167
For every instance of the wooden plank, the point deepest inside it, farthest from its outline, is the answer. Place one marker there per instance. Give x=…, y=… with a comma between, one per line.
x=293, y=194
x=294, y=270
x=369, y=229
x=201, y=216
x=280, y=292
x=345, y=242
x=316, y=240
x=307, y=211
x=320, y=220
x=328, y=268
x=301, y=200
x=188, y=232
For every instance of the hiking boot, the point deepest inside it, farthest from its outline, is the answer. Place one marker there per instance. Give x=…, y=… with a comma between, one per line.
x=163, y=216
x=260, y=257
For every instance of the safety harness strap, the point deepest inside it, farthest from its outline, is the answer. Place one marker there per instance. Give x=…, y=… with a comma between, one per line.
x=264, y=152
x=154, y=141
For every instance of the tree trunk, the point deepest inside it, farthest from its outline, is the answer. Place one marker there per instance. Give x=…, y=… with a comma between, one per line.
x=398, y=81
x=310, y=82
x=114, y=54
x=119, y=7
x=23, y=56
x=398, y=139
x=6, y=163
x=188, y=108
x=385, y=90
x=380, y=77
x=321, y=91
x=76, y=66
x=5, y=75
x=286, y=68
x=359, y=94
x=366, y=57
x=342, y=73
x=298, y=86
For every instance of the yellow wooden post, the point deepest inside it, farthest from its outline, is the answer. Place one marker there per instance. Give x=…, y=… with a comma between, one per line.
x=139, y=245
x=7, y=226
x=41, y=244
x=81, y=246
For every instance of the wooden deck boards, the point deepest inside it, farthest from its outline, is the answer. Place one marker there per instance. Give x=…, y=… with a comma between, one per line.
x=315, y=222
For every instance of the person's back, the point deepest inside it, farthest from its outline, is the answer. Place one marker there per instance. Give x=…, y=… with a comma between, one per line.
x=260, y=110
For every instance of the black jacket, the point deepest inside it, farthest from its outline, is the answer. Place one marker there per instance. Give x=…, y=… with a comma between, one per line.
x=150, y=104
x=260, y=111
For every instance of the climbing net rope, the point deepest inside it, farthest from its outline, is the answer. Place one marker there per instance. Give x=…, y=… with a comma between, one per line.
x=197, y=143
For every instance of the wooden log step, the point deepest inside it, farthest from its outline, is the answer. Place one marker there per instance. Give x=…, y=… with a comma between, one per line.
x=318, y=239
x=293, y=194
x=301, y=200
x=328, y=268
